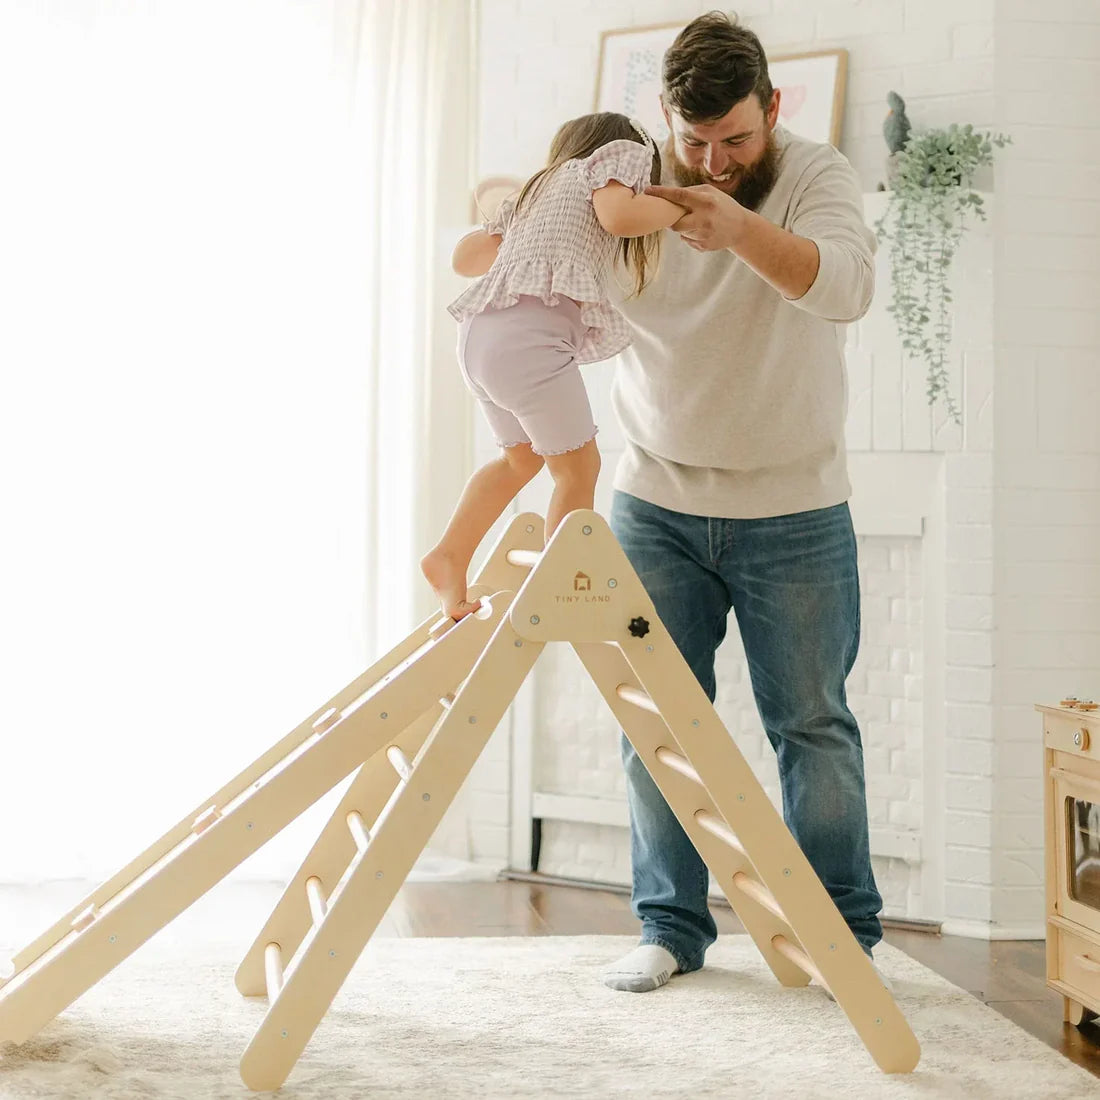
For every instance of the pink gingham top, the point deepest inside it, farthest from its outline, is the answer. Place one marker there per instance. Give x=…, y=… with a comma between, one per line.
x=557, y=247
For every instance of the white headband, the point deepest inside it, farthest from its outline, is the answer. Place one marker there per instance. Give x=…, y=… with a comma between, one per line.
x=645, y=137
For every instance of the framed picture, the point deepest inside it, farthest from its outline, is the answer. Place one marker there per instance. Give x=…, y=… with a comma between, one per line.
x=628, y=80
x=811, y=92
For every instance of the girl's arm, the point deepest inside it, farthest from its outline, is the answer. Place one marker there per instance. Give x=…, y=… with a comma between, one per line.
x=475, y=253
x=625, y=214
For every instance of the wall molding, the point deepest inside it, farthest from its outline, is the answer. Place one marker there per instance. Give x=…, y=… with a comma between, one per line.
x=982, y=930
x=886, y=843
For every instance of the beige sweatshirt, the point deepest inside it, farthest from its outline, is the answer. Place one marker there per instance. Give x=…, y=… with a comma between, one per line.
x=732, y=399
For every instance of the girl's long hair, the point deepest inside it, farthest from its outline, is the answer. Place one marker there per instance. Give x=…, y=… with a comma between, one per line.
x=579, y=138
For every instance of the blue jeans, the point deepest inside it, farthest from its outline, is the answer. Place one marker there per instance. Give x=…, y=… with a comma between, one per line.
x=792, y=582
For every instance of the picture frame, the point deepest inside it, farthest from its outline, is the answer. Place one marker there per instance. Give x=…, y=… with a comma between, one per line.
x=628, y=80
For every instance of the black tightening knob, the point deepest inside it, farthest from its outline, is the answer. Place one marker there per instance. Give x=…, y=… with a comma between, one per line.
x=639, y=627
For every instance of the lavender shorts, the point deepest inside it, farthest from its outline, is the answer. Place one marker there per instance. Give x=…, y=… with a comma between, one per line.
x=520, y=363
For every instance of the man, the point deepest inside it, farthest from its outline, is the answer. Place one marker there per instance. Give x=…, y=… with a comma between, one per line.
x=732, y=491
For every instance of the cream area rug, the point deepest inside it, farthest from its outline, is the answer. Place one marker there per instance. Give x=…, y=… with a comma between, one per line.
x=526, y=1017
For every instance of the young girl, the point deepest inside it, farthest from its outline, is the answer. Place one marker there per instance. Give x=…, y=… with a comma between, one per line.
x=539, y=310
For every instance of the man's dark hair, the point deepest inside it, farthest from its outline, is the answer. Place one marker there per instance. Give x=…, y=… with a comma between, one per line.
x=713, y=64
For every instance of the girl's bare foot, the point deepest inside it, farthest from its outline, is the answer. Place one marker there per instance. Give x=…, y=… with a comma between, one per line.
x=448, y=580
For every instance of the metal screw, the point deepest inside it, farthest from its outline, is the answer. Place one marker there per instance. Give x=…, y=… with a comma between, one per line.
x=530, y=527
x=586, y=529
x=332, y=954
x=284, y=1034
x=649, y=649
x=878, y=1019
x=249, y=825
x=426, y=797
x=472, y=720
x=695, y=721
x=832, y=947
x=518, y=642
x=114, y=939
x=377, y=874
x=740, y=798
x=534, y=620
x=612, y=583
x=786, y=872
x=384, y=714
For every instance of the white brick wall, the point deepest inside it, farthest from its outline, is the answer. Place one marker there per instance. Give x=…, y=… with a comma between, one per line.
x=1016, y=594
x=1046, y=468
x=937, y=53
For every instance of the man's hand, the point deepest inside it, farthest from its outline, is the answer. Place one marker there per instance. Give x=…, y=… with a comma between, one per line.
x=714, y=220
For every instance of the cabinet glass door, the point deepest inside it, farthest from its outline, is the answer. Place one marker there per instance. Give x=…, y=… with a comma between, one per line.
x=1083, y=834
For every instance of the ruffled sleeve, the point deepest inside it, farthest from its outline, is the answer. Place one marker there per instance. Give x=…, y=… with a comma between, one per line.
x=500, y=221
x=628, y=162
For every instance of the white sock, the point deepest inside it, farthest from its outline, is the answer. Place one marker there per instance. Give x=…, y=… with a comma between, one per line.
x=646, y=967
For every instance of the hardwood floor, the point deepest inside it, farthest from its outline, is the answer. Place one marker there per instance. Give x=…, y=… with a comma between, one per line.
x=1008, y=975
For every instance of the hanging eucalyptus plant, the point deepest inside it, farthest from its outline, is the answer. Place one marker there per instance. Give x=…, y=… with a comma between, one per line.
x=926, y=213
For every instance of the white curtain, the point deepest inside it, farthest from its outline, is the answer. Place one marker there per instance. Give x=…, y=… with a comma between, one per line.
x=215, y=275
x=399, y=77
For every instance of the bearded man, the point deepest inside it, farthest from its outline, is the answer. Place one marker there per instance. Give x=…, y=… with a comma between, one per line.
x=733, y=487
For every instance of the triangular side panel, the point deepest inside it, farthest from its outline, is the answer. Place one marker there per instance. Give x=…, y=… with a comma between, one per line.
x=583, y=588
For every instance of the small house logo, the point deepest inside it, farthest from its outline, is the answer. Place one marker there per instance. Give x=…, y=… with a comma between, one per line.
x=582, y=582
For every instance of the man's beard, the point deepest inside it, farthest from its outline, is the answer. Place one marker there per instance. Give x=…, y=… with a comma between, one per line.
x=753, y=183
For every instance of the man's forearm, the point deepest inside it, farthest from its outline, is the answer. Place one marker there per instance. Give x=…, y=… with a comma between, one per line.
x=786, y=261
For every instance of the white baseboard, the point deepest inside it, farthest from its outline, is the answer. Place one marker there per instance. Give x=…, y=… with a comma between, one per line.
x=982, y=930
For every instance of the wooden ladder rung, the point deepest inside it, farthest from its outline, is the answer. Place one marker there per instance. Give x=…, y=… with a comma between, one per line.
x=85, y=919
x=718, y=828
x=526, y=559
x=630, y=694
x=207, y=818
x=326, y=721
x=760, y=894
x=318, y=904
x=358, y=830
x=400, y=762
x=273, y=968
x=799, y=958
x=678, y=763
